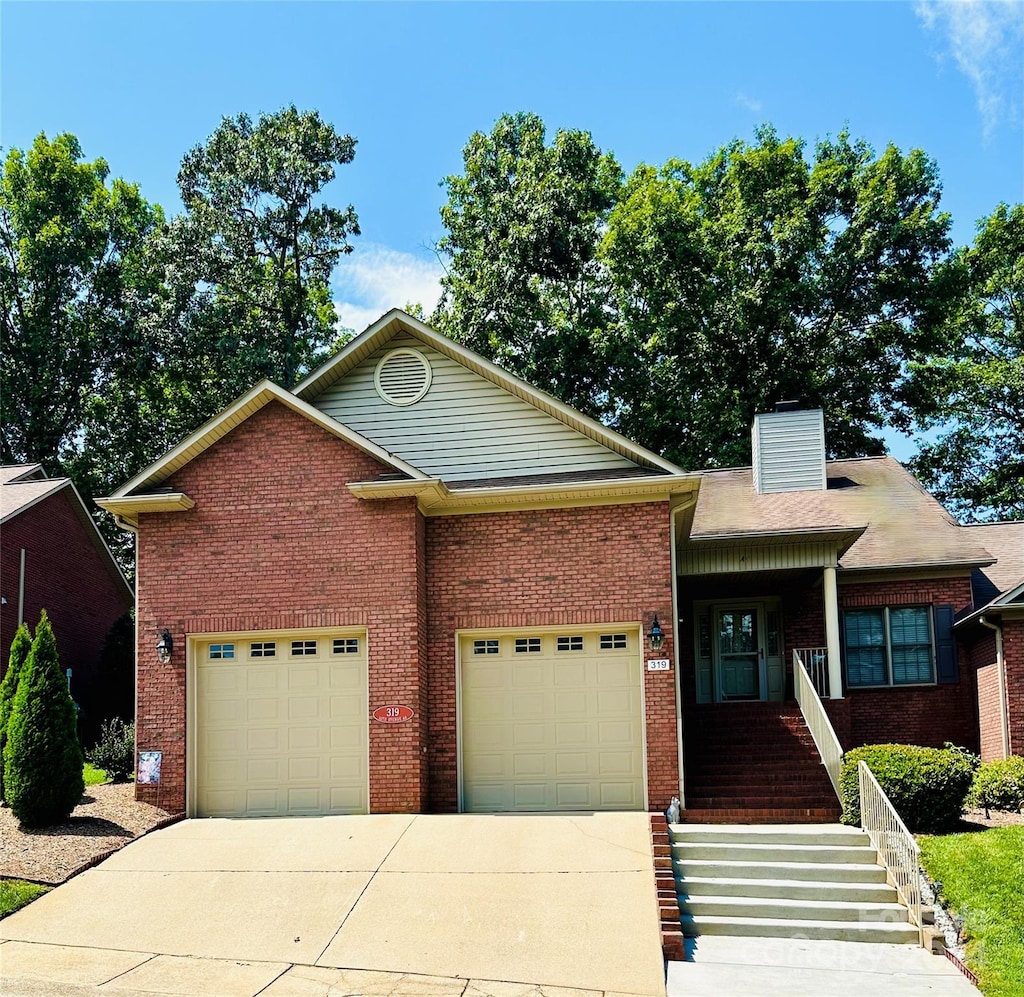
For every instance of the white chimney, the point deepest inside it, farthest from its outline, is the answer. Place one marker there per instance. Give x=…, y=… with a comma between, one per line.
x=789, y=450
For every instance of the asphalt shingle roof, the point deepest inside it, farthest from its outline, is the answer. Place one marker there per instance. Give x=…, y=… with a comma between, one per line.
x=904, y=525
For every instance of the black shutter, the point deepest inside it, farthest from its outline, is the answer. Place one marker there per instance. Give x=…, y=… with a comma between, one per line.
x=945, y=646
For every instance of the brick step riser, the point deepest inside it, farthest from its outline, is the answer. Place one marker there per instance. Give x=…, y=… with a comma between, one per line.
x=815, y=778
x=815, y=815
x=790, y=803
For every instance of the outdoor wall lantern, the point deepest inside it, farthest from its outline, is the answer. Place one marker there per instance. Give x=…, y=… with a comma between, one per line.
x=656, y=636
x=165, y=646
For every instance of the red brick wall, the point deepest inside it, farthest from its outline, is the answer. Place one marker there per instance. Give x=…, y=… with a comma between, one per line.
x=548, y=568
x=990, y=720
x=277, y=541
x=1013, y=652
x=68, y=574
x=928, y=715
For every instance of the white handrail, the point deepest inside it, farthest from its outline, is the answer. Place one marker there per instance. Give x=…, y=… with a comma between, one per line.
x=818, y=723
x=895, y=845
x=815, y=660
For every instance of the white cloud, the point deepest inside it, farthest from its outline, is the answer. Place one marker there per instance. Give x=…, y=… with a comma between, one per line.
x=986, y=40
x=750, y=103
x=376, y=278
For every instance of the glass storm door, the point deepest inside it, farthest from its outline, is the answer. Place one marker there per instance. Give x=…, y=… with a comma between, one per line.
x=739, y=653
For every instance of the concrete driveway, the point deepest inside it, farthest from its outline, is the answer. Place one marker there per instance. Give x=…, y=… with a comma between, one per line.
x=454, y=906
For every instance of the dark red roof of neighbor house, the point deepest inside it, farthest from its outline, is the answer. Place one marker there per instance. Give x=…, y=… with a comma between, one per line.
x=903, y=525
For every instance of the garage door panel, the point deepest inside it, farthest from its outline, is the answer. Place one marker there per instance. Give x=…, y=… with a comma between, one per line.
x=551, y=721
x=281, y=732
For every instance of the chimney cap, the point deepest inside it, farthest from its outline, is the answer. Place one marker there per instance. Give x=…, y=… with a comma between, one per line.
x=790, y=405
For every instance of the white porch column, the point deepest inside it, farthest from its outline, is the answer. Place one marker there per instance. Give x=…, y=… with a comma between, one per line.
x=835, y=672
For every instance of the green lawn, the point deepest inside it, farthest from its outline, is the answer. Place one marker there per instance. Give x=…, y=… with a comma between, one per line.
x=982, y=876
x=93, y=776
x=15, y=893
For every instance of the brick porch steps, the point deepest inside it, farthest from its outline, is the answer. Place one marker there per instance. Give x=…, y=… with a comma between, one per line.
x=754, y=763
x=797, y=881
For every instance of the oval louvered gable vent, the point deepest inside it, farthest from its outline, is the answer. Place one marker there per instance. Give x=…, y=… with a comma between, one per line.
x=402, y=377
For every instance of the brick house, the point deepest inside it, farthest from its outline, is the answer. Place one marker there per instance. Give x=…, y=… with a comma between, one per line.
x=52, y=557
x=417, y=583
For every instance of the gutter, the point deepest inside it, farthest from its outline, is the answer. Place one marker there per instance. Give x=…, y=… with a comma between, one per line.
x=682, y=507
x=1004, y=718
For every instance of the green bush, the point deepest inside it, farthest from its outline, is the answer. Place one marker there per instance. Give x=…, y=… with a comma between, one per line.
x=115, y=751
x=43, y=760
x=20, y=647
x=999, y=785
x=927, y=786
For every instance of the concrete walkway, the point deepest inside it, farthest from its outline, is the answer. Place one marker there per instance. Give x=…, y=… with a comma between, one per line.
x=720, y=966
x=453, y=906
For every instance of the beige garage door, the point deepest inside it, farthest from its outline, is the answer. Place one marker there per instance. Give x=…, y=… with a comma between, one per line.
x=552, y=721
x=281, y=725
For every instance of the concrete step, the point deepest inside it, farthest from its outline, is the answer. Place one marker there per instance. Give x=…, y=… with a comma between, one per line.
x=813, y=872
x=686, y=851
x=790, y=834
x=786, y=907
x=900, y=933
x=793, y=889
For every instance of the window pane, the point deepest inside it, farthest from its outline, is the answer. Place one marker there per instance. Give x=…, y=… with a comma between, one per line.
x=911, y=645
x=865, y=666
x=865, y=647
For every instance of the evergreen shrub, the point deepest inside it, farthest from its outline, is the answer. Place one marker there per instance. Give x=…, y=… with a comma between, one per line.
x=927, y=786
x=115, y=750
x=20, y=647
x=43, y=759
x=999, y=785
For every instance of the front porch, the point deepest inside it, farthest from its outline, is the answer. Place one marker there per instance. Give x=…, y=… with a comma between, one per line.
x=748, y=756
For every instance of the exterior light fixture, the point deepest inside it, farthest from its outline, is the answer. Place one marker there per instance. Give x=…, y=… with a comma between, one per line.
x=165, y=646
x=656, y=636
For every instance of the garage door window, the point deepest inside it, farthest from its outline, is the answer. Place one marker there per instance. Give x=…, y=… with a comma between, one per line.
x=219, y=651
x=613, y=642
x=527, y=645
x=347, y=645
x=263, y=649
x=301, y=647
x=486, y=647
x=569, y=643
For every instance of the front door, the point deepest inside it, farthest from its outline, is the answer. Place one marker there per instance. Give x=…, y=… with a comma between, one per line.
x=739, y=652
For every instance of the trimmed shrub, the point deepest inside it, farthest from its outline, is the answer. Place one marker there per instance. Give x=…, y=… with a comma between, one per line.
x=115, y=751
x=999, y=785
x=43, y=761
x=20, y=647
x=927, y=786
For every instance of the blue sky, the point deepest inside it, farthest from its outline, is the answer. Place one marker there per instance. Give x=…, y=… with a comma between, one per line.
x=141, y=83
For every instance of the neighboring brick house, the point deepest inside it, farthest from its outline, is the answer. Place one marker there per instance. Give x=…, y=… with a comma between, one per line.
x=52, y=557
x=417, y=583
x=992, y=637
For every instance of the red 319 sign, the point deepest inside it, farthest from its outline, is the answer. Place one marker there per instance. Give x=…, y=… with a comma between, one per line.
x=392, y=714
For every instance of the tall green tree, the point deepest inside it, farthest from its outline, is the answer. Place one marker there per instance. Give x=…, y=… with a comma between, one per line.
x=972, y=395
x=523, y=283
x=20, y=646
x=766, y=273
x=251, y=257
x=70, y=251
x=43, y=759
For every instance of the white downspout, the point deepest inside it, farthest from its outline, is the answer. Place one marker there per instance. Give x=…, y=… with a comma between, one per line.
x=21, y=588
x=835, y=672
x=676, y=648
x=1004, y=717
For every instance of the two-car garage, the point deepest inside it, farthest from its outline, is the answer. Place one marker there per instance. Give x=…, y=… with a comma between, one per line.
x=547, y=721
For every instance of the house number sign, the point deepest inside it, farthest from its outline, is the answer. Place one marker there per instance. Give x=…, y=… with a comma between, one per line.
x=658, y=664
x=393, y=714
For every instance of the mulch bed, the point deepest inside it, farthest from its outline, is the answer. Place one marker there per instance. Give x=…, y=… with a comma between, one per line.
x=108, y=818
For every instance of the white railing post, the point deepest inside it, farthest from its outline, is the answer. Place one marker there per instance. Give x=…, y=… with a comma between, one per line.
x=896, y=847
x=818, y=723
x=835, y=675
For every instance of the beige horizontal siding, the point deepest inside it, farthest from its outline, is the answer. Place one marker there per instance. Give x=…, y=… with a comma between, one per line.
x=464, y=427
x=695, y=560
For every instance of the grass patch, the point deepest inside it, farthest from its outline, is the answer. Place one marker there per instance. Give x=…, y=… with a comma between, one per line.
x=15, y=893
x=93, y=776
x=982, y=877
